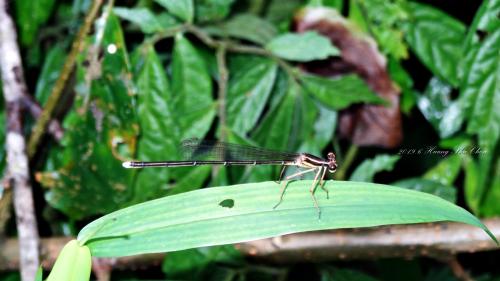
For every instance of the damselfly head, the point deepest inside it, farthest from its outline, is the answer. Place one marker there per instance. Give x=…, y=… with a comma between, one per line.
x=332, y=162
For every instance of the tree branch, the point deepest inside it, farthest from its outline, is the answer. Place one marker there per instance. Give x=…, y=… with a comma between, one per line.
x=57, y=90
x=435, y=240
x=14, y=91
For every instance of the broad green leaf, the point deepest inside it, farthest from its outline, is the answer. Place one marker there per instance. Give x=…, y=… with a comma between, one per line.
x=480, y=97
x=246, y=27
x=195, y=219
x=436, y=38
x=250, y=84
x=429, y=186
x=73, y=263
x=446, y=171
x=367, y=170
x=437, y=107
x=84, y=174
x=142, y=17
x=323, y=132
x=192, y=90
x=158, y=130
x=50, y=73
x=289, y=123
x=30, y=15
x=275, y=128
x=340, y=92
x=183, y=9
x=212, y=10
x=305, y=46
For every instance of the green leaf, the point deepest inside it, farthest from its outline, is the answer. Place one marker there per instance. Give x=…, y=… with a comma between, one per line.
x=446, y=171
x=382, y=19
x=195, y=219
x=183, y=9
x=480, y=94
x=280, y=12
x=250, y=84
x=437, y=107
x=247, y=27
x=405, y=83
x=73, y=263
x=30, y=15
x=142, y=17
x=158, y=135
x=212, y=10
x=370, y=167
x=192, y=90
x=50, y=72
x=289, y=123
x=473, y=193
x=84, y=175
x=39, y=274
x=429, y=186
x=340, y=92
x=305, y=46
x=436, y=38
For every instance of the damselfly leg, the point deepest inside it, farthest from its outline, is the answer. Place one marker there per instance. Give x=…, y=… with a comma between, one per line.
x=287, y=181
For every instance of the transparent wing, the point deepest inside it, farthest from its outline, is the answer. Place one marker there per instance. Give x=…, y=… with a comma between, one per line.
x=196, y=149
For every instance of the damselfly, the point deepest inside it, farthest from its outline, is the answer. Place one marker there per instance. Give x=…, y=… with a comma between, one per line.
x=201, y=152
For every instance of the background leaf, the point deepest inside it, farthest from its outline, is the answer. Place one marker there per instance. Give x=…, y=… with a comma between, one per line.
x=84, y=174
x=370, y=167
x=192, y=88
x=50, y=72
x=437, y=107
x=305, y=46
x=183, y=9
x=246, y=27
x=195, y=219
x=144, y=18
x=429, y=186
x=436, y=39
x=339, y=93
x=249, y=87
x=30, y=15
x=212, y=10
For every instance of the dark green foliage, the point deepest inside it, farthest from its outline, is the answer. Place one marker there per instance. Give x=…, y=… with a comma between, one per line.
x=149, y=77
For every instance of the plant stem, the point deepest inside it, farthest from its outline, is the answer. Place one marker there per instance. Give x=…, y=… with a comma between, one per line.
x=223, y=78
x=349, y=158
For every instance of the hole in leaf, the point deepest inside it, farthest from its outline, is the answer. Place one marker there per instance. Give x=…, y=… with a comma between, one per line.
x=481, y=34
x=227, y=203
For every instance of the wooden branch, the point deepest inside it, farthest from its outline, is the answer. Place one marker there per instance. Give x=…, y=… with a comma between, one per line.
x=69, y=64
x=435, y=240
x=14, y=89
